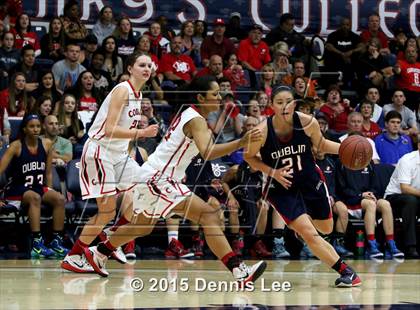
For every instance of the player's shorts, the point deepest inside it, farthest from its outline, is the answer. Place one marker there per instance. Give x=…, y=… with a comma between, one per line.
x=311, y=199
x=157, y=195
x=13, y=195
x=104, y=172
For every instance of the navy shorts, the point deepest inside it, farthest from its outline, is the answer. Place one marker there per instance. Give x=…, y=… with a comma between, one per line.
x=311, y=199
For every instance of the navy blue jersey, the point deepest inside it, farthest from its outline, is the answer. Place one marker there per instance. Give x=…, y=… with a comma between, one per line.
x=295, y=153
x=27, y=171
x=139, y=159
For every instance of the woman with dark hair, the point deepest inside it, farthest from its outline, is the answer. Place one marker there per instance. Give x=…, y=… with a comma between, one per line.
x=160, y=181
x=124, y=37
x=15, y=99
x=105, y=25
x=187, y=33
x=52, y=43
x=42, y=107
x=47, y=88
x=85, y=92
x=24, y=35
x=29, y=167
x=72, y=127
x=74, y=29
x=200, y=33
x=113, y=63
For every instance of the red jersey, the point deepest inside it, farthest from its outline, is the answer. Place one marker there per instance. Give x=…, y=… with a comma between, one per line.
x=409, y=78
x=337, y=122
x=256, y=56
x=372, y=132
x=180, y=65
x=366, y=35
x=29, y=38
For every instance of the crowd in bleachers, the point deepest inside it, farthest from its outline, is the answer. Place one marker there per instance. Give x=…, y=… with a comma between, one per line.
x=371, y=87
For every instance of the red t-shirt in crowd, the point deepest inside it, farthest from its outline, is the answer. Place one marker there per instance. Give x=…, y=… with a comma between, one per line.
x=373, y=131
x=256, y=56
x=88, y=104
x=180, y=65
x=29, y=38
x=337, y=122
x=209, y=48
x=155, y=60
x=366, y=35
x=409, y=78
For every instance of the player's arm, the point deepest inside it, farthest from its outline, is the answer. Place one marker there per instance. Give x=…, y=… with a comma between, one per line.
x=251, y=152
x=48, y=165
x=318, y=140
x=119, y=99
x=198, y=130
x=12, y=151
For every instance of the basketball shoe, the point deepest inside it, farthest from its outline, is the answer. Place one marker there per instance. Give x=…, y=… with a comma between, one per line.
x=259, y=250
x=57, y=246
x=130, y=250
x=244, y=273
x=348, y=278
x=97, y=260
x=176, y=250
x=39, y=250
x=118, y=254
x=76, y=263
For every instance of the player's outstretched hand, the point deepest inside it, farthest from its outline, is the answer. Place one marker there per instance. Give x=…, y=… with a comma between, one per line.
x=253, y=135
x=282, y=176
x=150, y=131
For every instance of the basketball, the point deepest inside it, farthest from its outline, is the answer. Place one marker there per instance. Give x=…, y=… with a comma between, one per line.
x=355, y=152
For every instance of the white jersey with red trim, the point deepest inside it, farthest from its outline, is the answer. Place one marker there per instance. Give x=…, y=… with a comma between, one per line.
x=175, y=152
x=129, y=118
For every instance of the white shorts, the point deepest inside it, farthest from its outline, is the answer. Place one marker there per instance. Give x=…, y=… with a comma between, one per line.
x=155, y=195
x=104, y=172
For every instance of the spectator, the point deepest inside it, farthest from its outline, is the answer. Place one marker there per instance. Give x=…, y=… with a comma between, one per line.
x=234, y=72
x=63, y=150
x=215, y=68
x=124, y=38
x=90, y=46
x=15, y=98
x=74, y=29
x=102, y=79
x=373, y=31
x=175, y=66
x=403, y=192
x=392, y=145
x=328, y=167
x=267, y=79
x=369, y=129
x=233, y=28
x=342, y=48
x=149, y=144
x=354, y=125
x=159, y=44
x=371, y=65
x=47, y=88
x=188, y=46
x=373, y=96
x=299, y=71
x=285, y=32
x=105, y=26
x=357, y=192
x=28, y=67
x=9, y=10
x=408, y=123
x=147, y=108
x=71, y=127
x=9, y=58
x=264, y=103
x=24, y=35
x=67, y=71
x=254, y=53
x=42, y=107
x=407, y=77
x=396, y=45
x=53, y=42
x=200, y=33
x=113, y=63
x=226, y=123
x=216, y=44
x=335, y=110
x=281, y=64
x=166, y=31
x=254, y=110
x=299, y=87
x=86, y=93
x=28, y=165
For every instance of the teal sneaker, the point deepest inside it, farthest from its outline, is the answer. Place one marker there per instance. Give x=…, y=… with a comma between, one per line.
x=39, y=250
x=57, y=247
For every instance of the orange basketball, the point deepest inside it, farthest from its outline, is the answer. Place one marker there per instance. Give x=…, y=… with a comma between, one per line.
x=355, y=152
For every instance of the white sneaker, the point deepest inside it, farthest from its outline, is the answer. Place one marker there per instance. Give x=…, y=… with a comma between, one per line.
x=76, y=263
x=97, y=260
x=118, y=254
x=244, y=273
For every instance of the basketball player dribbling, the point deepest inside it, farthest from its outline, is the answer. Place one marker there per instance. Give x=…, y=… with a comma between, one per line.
x=106, y=169
x=160, y=192
x=296, y=186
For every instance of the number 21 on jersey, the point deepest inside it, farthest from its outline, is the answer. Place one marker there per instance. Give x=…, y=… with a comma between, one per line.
x=288, y=163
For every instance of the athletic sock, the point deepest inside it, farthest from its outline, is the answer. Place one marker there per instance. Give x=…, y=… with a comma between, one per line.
x=122, y=221
x=341, y=267
x=231, y=260
x=78, y=248
x=105, y=248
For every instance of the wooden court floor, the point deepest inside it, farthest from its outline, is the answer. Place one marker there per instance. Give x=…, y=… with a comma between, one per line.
x=40, y=284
